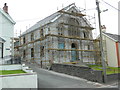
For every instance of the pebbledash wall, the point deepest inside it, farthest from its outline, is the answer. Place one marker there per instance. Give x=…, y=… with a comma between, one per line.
x=83, y=72
x=26, y=80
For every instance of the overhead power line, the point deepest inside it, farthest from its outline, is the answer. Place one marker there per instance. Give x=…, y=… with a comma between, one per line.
x=111, y=5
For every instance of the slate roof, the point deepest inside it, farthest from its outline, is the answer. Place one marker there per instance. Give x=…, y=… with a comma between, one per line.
x=7, y=16
x=42, y=22
x=48, y=19
x=115, y=37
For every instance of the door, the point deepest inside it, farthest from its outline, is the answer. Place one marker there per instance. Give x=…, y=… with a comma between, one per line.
x=74, y=55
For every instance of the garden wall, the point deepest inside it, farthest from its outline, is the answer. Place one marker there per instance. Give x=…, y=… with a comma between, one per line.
x=113, y=77
x=83, y=72
x=19, y=81
x=79, y=71
x=27, y=80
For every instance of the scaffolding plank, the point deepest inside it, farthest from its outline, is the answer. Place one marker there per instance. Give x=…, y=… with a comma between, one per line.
x=53, y=35
x=73, y=50
x=84, y=27
x=73, y=13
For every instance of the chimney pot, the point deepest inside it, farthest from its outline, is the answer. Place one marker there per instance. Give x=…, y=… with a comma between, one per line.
x=5, y=8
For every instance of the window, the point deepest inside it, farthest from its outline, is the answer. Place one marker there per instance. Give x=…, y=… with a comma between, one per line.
x=85, y=35
x=88, y=47
x=73, y=29
x=32, y=52
x=60, y=31
x=41, y=32
x=61, y=45
x=32, y=36
x=73, y=45
x=42, y=51
x=23, y=40
x=24, y=54
x=72, y=11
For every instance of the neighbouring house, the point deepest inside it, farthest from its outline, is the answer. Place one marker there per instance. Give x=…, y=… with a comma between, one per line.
x=119, y=17
x=2, y=41
x=111, y=46
x=7, y=30
x=63, y=37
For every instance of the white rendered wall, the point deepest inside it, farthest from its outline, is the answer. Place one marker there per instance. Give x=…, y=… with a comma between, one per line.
x=26, y=80
x=0, y=50
x=111, y=53
x=19, y=81
x=7, y=32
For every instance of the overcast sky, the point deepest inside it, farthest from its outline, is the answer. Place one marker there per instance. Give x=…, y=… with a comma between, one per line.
x=27, y=12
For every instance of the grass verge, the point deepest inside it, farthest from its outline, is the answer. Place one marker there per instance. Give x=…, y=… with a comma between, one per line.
x=7, y=72
x=109, y=70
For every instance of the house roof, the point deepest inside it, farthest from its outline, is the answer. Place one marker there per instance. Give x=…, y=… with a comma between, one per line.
x=49, y=19
x=7, y=16
x=43, y=22
x=114, y=37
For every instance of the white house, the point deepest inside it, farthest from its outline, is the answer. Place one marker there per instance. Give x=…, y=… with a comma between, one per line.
x=6, y=30
x=112, y=46
x=1, y=47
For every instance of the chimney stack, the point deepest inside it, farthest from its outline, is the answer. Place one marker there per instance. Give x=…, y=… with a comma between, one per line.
x=103, y=27
x=5, y=8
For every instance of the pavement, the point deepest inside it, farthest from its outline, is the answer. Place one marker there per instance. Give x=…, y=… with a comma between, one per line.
x=51, y=79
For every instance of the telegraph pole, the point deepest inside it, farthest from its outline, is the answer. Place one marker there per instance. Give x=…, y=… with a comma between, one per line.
x=101, y=43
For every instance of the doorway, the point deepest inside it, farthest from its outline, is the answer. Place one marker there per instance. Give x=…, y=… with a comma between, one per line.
x=73, y=52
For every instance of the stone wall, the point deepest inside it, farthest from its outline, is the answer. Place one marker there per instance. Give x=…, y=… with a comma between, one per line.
x=84, y=72
x=113, y=77
x=79, y=71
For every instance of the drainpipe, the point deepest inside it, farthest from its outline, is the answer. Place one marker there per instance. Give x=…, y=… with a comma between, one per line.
x=118, y=54
x=2, y=49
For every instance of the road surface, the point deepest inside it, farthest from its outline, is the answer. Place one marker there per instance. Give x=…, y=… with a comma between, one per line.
x=51, y=79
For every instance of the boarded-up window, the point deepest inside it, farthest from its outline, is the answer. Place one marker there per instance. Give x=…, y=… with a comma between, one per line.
x=61, y=45
x=42, y=51
x=32, y=52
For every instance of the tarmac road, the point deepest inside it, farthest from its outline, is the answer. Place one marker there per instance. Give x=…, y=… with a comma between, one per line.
x=51, y=79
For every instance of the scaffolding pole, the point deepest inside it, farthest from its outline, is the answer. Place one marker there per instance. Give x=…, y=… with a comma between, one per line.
x=101, y=43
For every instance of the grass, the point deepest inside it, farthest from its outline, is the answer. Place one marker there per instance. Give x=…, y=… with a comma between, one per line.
x=7, y=72
x=109, y=70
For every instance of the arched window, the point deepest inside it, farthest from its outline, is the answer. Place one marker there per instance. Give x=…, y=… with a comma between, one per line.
x=42, y=51
x=73, y=28
x=60, y=30
x=74, y=45
x=32, y=36
x=85, y=35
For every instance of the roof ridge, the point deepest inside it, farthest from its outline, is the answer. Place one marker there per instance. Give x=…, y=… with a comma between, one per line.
x=7, y=16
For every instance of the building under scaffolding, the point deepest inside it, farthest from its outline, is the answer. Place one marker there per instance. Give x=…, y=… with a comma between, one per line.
x=63, y=37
